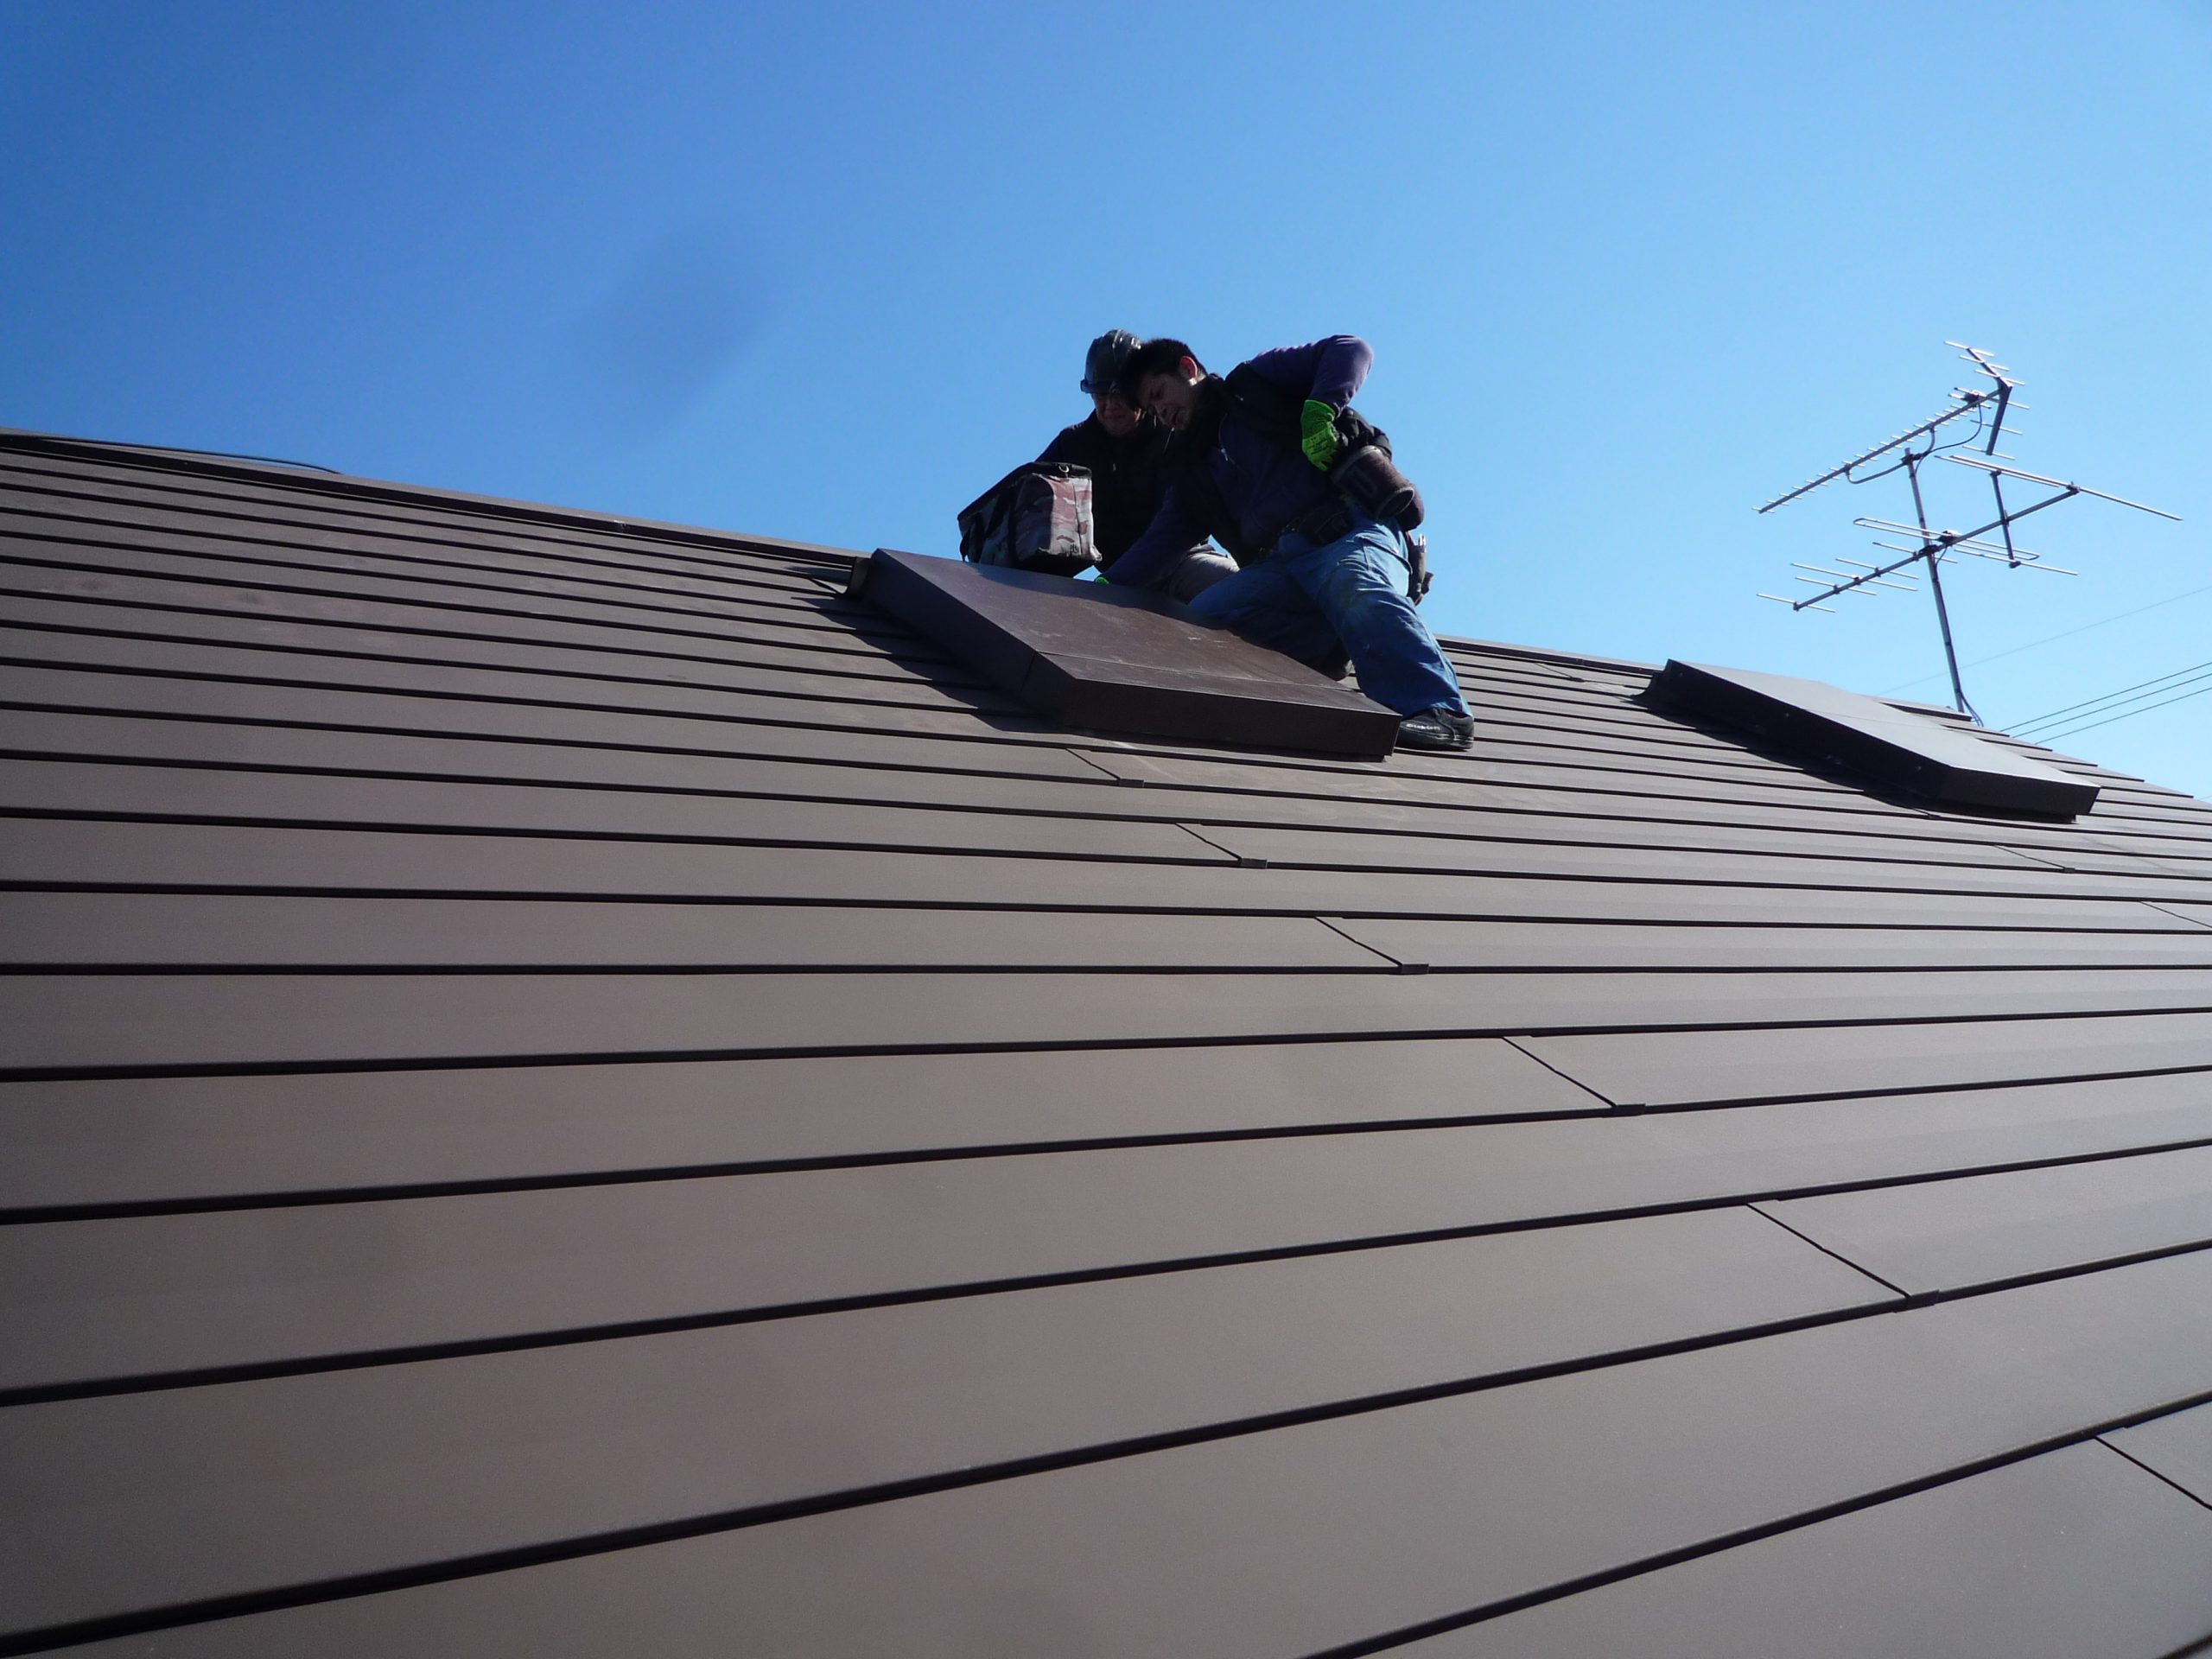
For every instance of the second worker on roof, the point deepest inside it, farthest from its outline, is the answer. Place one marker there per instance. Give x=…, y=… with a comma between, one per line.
x=1126, y=454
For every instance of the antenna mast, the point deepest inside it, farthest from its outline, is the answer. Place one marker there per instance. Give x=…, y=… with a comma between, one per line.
x=1988, y=407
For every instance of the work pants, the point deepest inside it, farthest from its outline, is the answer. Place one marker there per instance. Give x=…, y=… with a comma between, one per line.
x=1194, y=572
x=1344, y=598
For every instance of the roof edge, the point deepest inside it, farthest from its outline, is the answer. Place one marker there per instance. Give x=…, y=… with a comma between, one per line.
x=317, y=480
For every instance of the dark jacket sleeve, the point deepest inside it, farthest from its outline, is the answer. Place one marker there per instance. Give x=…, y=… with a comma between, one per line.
x=1172, y=533
x=1329, y=370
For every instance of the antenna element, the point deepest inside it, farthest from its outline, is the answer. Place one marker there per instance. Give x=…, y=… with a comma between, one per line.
x=1988, y=406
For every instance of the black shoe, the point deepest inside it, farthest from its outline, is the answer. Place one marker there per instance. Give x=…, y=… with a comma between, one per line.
x=1438, y=729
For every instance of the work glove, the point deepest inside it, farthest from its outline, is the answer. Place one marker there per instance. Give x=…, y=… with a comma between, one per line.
x=1316, y=427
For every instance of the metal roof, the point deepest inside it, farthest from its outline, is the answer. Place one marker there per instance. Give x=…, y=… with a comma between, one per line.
x=567, y=1089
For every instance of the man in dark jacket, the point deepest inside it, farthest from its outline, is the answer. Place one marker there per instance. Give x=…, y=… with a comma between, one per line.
x=1322, y=579
x=1126, y=451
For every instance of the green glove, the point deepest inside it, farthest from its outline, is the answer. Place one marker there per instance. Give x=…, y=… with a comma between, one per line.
x=1316, y=427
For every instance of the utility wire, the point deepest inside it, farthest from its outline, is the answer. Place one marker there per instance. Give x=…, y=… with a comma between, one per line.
x=2098, y=705
x=2127, y=714
x=2155, y=604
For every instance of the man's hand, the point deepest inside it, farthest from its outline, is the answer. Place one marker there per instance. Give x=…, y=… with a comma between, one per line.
x=1317, y=426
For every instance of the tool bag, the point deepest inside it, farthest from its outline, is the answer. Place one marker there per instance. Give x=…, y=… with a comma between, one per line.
x=1037, y=517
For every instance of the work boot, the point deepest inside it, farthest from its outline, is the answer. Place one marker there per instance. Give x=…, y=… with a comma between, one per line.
x=1440, y=728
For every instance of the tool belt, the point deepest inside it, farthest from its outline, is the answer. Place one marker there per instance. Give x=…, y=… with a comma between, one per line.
x=1332, y=521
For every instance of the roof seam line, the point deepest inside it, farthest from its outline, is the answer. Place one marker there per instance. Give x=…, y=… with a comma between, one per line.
x=1520, y=1047
x=2154, y=1473
x=1760, y=1207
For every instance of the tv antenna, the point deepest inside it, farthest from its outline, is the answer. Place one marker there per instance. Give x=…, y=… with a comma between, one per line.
x=1983, y=410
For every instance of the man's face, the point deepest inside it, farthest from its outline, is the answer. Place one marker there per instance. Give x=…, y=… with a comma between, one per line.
x=1171, y=395
x=1116, y=413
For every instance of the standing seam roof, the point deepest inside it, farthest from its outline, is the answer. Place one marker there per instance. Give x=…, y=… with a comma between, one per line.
x=567, y=1089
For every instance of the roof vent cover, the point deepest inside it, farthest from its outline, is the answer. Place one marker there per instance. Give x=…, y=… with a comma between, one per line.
x=1821, y=723
x=1114, y=659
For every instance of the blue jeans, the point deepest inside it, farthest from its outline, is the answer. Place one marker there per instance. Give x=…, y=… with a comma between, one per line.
x=1346, y=598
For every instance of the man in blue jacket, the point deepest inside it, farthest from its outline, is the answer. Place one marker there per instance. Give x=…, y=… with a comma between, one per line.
x=1322, y=578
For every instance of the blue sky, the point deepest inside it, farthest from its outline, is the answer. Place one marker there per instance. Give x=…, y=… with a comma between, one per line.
x=826, y=271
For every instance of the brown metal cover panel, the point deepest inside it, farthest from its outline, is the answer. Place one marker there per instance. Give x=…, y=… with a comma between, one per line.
x=1916, y=753
x=1120, y=660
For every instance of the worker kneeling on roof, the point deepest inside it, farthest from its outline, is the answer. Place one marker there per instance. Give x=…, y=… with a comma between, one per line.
x=1273, y=463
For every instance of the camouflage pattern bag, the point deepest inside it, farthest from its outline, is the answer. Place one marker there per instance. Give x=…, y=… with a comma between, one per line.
x=1037, y=517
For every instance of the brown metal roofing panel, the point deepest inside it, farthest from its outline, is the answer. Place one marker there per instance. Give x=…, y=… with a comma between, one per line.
x=1306, y=1538
x=313, y=537
x=1622, y=782
x=163, y=599
x=151, y=1501
x=99, y=1302
x=108, y=671
x=1355, y=849
x=2176, y=1447
x=393, y=514
x=287, y=557
x=156, y=1142
x=265, y=650
x=145, y=580
x=1059, y=785
x=1492, y=944
x=1121, y=660
x=93, y=1023
x=2074, y=1553
x=1327, y=1178
x=313, y=622
x=1670, y=1068
x=656, y=759
x=1369, y=836
x=586, y=703
x=45, y=565
x=85, y=852
x=168, y=1140
x=1941, y=1236
x=226, y=474
x=189, y=791
x=462, y=708
x=269, y=932
x=232, y=550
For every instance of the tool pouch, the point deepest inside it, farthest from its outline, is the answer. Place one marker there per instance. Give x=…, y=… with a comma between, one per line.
x=1369, y=478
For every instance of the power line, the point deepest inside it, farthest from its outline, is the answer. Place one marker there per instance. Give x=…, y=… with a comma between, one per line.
x=2052, y=638
x=2127, y=714
x=2097, y=705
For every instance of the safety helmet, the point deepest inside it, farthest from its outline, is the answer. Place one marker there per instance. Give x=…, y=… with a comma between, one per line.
x=1101, y=364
